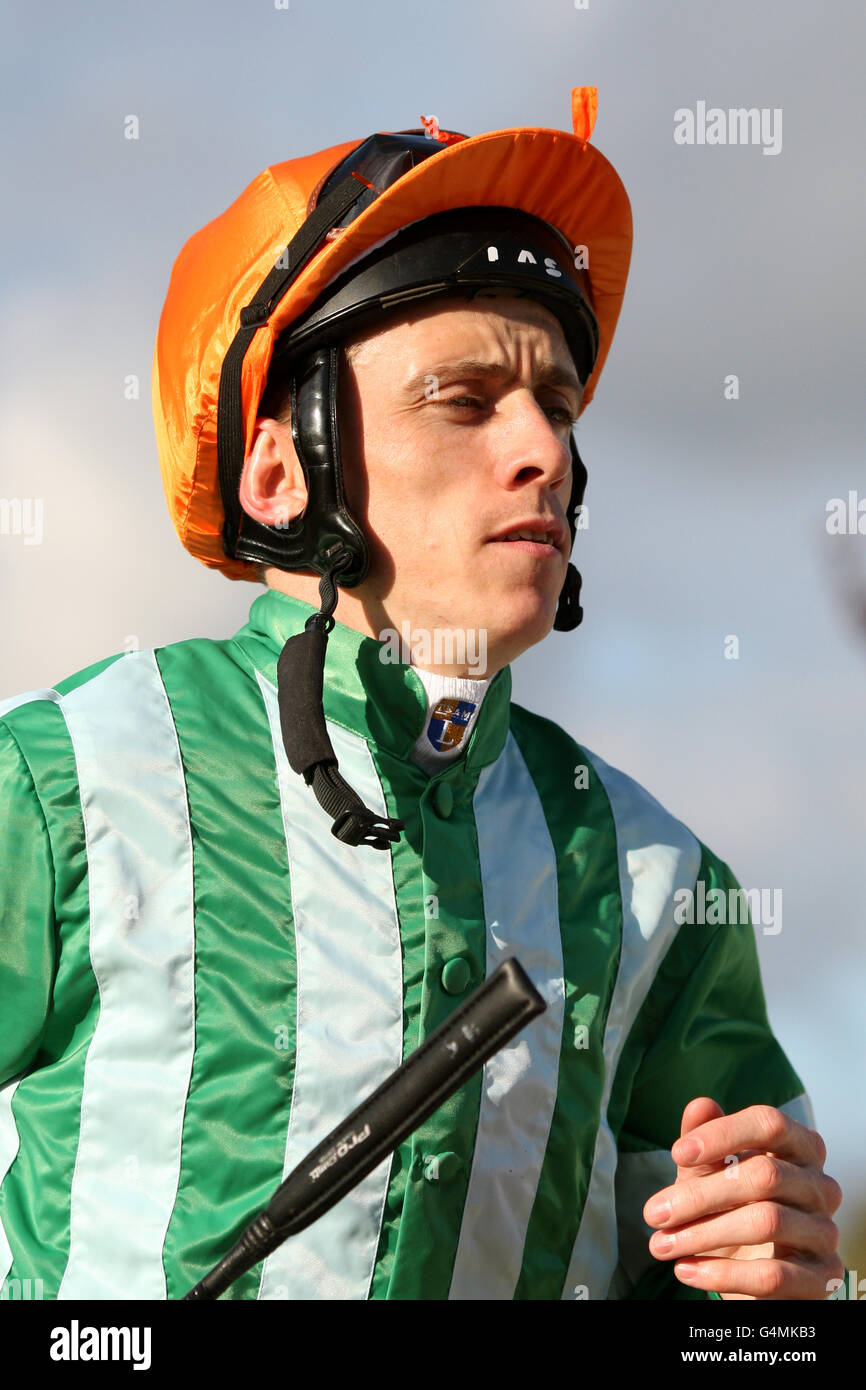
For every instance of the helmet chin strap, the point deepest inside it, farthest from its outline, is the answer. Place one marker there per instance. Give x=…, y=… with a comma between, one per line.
x=569, y=613
x=300, y=678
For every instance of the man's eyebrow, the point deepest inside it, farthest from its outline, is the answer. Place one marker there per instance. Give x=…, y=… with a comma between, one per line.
x=549, y=373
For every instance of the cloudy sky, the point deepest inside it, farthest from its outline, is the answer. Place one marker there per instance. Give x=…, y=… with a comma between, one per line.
x=707, y=515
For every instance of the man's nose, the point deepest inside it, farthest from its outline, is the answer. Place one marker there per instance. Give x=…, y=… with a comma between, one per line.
x=532, y=448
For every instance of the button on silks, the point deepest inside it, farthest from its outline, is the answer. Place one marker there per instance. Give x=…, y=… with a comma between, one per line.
x=455, y=975
x=440, y=1167
x=443, y=800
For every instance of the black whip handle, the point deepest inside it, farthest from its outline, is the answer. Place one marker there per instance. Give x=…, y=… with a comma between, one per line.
x=489, y=1018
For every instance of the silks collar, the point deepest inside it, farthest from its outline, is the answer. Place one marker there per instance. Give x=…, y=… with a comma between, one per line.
x=384, y=702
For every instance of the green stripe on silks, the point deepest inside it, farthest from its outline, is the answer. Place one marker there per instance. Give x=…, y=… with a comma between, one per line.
x=35, y=1199
x=423, y=1256
x=590, y=912
x=241, y=1083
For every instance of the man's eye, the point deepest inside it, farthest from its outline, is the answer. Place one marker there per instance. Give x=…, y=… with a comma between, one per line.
x=562, y=410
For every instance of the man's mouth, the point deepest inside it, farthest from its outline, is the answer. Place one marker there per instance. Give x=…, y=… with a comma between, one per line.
x=542, y=537
x=543, y=549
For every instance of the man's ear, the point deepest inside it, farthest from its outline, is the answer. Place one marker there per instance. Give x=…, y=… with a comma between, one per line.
x=273, y=489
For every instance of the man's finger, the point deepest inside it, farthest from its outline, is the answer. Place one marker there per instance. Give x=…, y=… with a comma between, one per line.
x=760, y=1127
x=757, y=1178
x=696, y=1114
x=754, y=1224
x=786, y=1278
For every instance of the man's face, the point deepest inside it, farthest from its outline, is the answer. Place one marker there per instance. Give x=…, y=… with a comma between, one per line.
x=455, y=434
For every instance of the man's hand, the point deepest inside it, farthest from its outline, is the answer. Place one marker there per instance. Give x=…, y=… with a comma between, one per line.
x=750, y=1211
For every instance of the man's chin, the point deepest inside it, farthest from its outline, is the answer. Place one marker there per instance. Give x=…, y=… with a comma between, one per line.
x=483, y=633
x=520, y=621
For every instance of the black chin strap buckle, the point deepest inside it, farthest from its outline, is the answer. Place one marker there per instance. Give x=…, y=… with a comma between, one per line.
x=569, y=613
x=300, y=680
x=363, y=828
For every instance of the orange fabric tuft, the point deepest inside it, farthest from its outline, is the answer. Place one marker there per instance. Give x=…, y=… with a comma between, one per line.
x=584, y=106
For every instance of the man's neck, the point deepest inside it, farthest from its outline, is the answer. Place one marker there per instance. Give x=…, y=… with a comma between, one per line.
x=469, y=660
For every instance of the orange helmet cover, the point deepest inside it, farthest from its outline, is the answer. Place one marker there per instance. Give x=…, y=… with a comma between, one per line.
x=557, y=176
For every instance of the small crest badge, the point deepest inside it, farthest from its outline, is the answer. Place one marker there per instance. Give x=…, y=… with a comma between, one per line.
x=448, y=723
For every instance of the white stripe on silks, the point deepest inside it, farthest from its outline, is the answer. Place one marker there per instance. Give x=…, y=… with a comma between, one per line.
x=519, y=1084
x=657, y=856
x=9, y=1136
x=142, y=949
x=9, y=1142
x=349, y=1034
